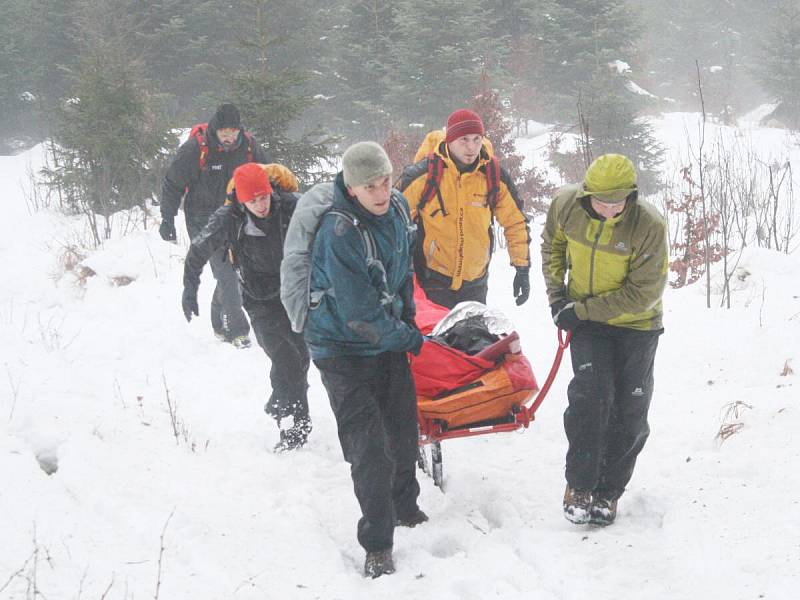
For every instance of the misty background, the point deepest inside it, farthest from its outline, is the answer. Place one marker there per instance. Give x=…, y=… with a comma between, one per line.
x=109, y=84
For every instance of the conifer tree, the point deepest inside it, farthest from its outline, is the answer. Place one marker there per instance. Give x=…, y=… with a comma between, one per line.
x=109, y=135
x=14, y=79
x=780, y=73
x=441, y=48
x=584, y=44
x=272, y=101
x=178, y=43
x=364, y=67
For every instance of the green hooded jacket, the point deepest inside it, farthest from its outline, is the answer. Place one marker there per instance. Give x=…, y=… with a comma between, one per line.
x=617, y=268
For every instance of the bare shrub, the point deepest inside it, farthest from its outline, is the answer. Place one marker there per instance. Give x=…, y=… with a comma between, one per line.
x=787, y=369
x=730, y=420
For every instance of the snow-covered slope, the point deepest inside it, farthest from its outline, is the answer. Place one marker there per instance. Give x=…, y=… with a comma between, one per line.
x=132, y=510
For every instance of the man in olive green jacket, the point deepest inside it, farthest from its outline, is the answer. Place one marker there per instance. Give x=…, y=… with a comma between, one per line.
x=611, y=248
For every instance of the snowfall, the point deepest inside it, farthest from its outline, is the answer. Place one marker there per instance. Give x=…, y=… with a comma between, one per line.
x=137, y=461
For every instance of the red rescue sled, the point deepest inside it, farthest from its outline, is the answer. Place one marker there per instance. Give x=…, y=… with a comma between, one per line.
x=462, y=395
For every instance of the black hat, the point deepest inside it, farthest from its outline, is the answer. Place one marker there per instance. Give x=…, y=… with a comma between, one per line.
x=227, y=115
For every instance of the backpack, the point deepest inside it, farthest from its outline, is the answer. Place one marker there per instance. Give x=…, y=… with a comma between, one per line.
x=434, y=177
x=296, y=294
x=200, y=133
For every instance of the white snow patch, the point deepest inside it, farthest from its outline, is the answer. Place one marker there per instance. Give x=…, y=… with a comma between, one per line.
x=620, y=66
x=86, y=382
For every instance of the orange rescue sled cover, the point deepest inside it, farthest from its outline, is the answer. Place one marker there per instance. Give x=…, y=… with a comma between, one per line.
x=460, y=389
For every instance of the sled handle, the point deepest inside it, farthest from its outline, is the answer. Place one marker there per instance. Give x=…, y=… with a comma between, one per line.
x=563, y=342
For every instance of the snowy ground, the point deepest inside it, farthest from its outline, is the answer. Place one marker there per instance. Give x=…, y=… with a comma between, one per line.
x=129, y=511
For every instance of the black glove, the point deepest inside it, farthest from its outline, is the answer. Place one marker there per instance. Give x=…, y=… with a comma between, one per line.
x=189, y=303
x=167, y=230
x=566, y=318
x=522, y=285
x=556, y=307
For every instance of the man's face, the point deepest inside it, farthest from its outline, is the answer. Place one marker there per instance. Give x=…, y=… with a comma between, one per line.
x=466, y=148
x=607, y=211
x=260, y=205
x=374, y=195
x=227, y=136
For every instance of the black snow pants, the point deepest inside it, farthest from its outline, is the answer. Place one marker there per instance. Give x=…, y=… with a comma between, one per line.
x=609, y=397
x=437, y=289
x=375, y=405
x=227, y=316
x=288, y=354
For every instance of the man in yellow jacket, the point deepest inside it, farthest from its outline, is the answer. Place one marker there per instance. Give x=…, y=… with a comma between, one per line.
x=455, y=191
x=612, y=249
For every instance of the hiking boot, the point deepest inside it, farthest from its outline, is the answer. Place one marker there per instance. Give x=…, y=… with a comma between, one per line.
x=577, y=504
x=603, y=511
x=294, y=437
x=412, y=520
x=379, y=563
x=241, y=342
x=222, y=336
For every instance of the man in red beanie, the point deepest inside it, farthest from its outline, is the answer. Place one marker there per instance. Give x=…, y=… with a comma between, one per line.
x=455, y=192
x=252, y=226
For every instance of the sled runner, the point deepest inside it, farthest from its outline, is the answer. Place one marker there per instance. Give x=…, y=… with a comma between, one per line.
x=487, y=389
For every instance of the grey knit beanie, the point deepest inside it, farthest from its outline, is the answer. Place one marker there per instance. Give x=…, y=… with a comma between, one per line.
x=363, y=162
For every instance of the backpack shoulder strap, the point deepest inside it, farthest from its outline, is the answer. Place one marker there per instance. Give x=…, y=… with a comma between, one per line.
x=249, y=137
x=366, y=236
x=433, y=166
x=436, y=168
x=199, y=132
x=492, y=182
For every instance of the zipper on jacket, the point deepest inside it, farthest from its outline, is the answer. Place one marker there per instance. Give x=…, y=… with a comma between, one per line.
x=431, y=249
x=591, y=260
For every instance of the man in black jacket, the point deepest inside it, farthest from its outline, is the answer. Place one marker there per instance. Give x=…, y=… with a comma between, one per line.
x=199, y=175
x=251, y=228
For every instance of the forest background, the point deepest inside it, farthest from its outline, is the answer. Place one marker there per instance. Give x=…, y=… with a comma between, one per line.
x=110, y=84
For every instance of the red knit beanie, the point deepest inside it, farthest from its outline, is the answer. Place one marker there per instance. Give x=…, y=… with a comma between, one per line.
x=251, y=180
x=463, y=122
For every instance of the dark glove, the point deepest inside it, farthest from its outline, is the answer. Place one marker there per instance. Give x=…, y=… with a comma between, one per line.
x=556, y=307
x=189, y=303
x=167, y=230
x=417, y=347
x=522, y=285
x=566, y=318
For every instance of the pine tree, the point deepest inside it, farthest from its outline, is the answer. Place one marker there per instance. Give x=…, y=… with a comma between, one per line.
x=14, y=79
x=364, y=67
x=36, y=53
x=441, y=48
x=720, y=34
x=583, y=43
x=780, y=73
x=178, y=49
x=109, y=138
x=272, y=101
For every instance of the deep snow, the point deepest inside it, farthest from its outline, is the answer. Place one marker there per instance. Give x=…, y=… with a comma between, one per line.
x=88, y=368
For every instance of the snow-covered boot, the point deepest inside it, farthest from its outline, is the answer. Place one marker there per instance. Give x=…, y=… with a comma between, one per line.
x=295, y=436
x=603, y=511
x=379, y=562
x=412, y=520
x=241, y=342
x=577, y=504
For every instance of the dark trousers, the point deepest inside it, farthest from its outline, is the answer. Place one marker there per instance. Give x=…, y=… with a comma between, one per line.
x=227, y=316
x=288, y=354
x=609, y=396
x=375, y=405
x=437, y=288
